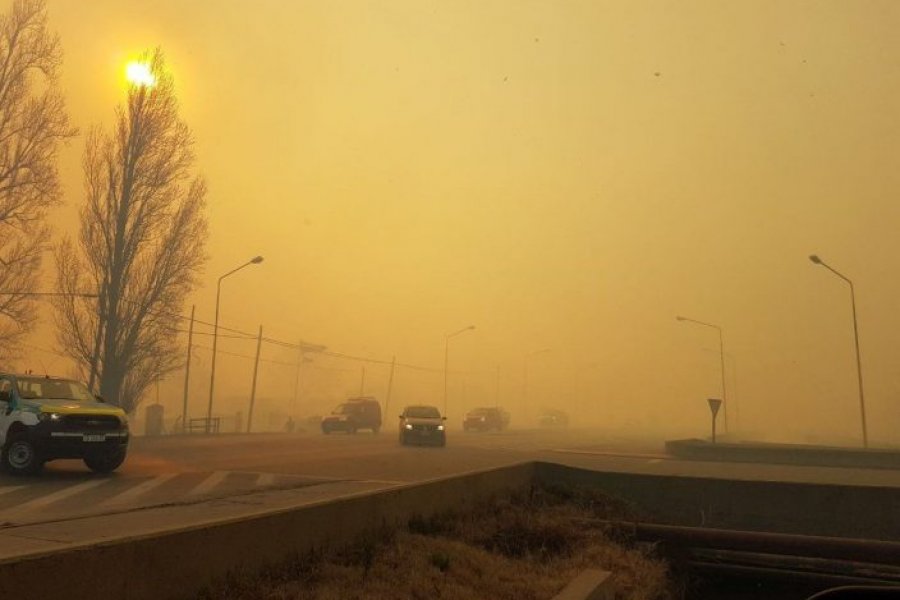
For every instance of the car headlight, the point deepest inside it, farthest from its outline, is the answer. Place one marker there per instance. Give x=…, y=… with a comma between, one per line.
x=440, y=427
x=49, y=416
x=408, y=426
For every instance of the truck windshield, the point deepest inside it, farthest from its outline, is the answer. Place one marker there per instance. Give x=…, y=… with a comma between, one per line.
x=55, y=389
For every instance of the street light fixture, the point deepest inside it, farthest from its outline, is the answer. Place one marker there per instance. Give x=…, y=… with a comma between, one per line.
x=721, y=359
x=447, y=358
x=212, y=376
x=862, y=403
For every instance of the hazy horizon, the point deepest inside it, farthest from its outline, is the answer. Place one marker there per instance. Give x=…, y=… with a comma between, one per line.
x=562, y=175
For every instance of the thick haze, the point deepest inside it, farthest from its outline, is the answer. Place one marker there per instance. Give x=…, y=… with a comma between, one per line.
x=563, y=175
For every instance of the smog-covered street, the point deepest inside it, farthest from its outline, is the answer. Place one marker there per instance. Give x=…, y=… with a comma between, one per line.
x=173, y=470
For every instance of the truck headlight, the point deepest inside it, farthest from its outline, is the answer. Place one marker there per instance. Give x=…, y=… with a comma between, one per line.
x=440, y=427
x=49, y=416
x=408, y=426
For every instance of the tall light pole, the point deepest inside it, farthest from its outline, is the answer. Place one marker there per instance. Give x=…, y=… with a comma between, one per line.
x=721, y=359
x=447, y=358
x=525, y=375
x=212, y=376
x=862, y=403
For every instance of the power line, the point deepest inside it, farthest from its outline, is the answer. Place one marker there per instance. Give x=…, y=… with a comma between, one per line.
x=239, y=334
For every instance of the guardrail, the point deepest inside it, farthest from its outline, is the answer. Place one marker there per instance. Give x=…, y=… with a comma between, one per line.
x=203, y=425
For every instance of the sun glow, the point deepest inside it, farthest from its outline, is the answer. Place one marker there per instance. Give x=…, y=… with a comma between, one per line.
x=139, y=74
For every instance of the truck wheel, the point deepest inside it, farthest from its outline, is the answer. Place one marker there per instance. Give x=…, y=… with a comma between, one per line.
x=105, y=462
x=21, y=456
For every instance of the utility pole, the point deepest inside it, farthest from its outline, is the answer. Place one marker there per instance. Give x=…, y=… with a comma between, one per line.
x=497, y=389
x=297, y=375
x=253, y=386
x=187, y=372
x=387, y=401
x=362, y=383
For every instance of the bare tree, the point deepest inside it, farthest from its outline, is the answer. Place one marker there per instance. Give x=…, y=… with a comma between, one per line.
x=141, y=244
x=32, y=123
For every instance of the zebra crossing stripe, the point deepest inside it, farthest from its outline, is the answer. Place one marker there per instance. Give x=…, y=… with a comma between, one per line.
x=44, y=501
x=139, y=490
x=265, y=480
x=208, y=484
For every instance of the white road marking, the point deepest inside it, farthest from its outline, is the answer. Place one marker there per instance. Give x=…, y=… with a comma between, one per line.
x=132, y=494
x=265, y=480
x=44, y=501
x=208, y=484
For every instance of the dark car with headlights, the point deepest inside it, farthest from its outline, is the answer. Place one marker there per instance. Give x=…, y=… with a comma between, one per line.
x=354, y=414
x=486, y=419
x=422, y=425
x=46, y=418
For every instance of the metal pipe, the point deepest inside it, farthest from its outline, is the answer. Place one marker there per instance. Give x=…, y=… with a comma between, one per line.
x=876, y=551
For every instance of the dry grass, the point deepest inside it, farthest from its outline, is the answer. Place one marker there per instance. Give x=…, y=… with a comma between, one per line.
x=527, y=547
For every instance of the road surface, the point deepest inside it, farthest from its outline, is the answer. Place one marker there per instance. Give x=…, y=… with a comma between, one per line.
x=190, y=469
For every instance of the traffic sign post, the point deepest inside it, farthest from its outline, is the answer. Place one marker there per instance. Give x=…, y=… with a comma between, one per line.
x=714, y=404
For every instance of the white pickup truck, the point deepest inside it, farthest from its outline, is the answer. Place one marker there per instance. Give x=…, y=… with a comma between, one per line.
x=45, y=418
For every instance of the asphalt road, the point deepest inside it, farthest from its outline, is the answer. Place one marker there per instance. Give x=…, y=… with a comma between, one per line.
x=190, y=469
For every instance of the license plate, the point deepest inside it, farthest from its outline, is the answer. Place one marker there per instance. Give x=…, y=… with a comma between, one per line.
x=93, y=438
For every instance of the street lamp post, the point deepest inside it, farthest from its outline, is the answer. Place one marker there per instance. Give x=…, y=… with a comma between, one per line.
x=862, y=403
x=721, y=359
x=447, y=358
x=212, y=376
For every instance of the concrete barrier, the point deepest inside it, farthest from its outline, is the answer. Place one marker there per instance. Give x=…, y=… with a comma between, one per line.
x=870, y=512
x=785, y=454
x=174, y=563
x=178, y=564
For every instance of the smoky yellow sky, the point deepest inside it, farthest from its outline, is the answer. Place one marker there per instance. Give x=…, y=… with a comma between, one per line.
x=562, y=174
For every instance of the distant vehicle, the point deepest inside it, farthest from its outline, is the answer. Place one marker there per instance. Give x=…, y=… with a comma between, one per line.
x=354, y=414
x=422, y=425
x=485, y=419
x=553, y=419
x=46, y=418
